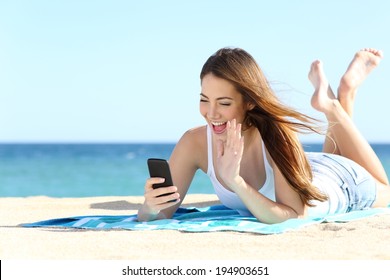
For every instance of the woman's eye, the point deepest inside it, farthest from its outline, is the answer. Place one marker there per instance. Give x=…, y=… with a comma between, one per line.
x=203, y=100
x=225, y=104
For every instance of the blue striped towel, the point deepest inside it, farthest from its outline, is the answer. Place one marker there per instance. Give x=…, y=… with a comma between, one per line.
x=208, y=219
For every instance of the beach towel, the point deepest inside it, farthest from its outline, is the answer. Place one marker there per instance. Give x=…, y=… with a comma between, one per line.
x=208, y=219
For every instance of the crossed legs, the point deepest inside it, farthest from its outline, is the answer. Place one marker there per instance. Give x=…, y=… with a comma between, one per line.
x=343, y=137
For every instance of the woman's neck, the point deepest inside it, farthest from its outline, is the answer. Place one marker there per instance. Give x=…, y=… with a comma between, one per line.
x=251, y=135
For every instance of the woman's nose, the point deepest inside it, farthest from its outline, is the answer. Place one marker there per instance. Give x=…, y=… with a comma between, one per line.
x=212, y=112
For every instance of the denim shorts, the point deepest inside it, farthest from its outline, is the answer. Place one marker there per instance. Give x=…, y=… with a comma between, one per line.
x=358, y=186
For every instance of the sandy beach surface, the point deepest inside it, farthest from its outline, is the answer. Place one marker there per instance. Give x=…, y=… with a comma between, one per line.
x=368, y=238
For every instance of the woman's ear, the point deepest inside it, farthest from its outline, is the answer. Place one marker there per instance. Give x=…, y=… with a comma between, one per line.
x=250, y=106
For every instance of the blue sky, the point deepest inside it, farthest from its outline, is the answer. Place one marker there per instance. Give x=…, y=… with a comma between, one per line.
x=128, y=71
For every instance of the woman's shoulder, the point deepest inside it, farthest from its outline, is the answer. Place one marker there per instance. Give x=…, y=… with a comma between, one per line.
x=192, y=146
x=194, y=139
x=195, y=136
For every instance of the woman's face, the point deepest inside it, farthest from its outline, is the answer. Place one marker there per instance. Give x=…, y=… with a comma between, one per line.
x=220, y=102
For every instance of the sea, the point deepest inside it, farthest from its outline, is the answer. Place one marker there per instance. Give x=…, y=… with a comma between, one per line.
x=83, y=170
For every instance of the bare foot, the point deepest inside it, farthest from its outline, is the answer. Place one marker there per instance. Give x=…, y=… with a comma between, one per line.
x=359, y=68
x=323, y=97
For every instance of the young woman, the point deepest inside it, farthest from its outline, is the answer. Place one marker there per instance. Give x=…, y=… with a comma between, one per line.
x=251, y=152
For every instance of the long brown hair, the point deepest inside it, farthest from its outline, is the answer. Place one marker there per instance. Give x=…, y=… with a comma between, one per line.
x=277, y=123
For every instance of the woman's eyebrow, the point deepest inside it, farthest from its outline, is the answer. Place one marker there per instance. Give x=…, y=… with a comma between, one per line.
x=219, y=98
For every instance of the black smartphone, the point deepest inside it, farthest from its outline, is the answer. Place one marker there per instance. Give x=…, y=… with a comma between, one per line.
x=160, y=168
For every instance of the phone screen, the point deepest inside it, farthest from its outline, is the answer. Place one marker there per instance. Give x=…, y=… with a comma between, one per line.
x=160, y=168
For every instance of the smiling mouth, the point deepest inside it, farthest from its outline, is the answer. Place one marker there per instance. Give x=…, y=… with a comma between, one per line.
x=219, y=127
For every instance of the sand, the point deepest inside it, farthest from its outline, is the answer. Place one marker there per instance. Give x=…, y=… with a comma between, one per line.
x=368, y=238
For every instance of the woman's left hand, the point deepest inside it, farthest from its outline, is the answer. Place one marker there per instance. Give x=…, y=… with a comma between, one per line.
x=229, y=155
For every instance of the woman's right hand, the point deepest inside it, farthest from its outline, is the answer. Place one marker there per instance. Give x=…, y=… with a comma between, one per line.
x=156, y=199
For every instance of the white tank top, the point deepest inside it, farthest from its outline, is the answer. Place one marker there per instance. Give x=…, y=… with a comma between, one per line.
x=228, y=198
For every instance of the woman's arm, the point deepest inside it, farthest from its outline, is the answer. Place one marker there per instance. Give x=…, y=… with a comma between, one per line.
x=183, y=165
x=288, y=203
